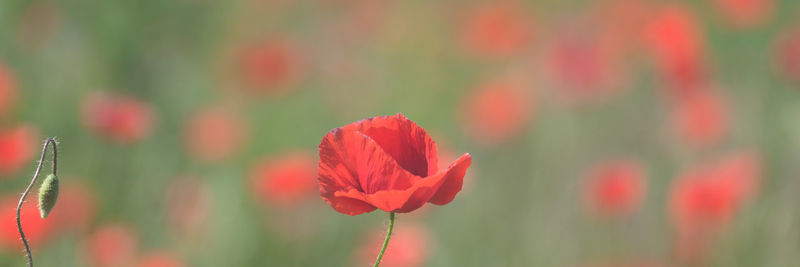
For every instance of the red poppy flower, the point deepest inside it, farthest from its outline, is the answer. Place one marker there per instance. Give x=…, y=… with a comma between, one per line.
x=787, y=54
x=745, y=13
x=284, y=181
x=188, y=202
x=120, y=118
x=8, y=89
x=701, y=118
x=615, y=188
x=495, y=31
x=269, y=66
x=159, y=259
x=111, y=245
x=675, y=40
x=17, y=147
x=214, y=134
x=385, y=162
x=36, y=229
x=76, y=206
x=708, y=197
x=496, y=112
x=408, y=246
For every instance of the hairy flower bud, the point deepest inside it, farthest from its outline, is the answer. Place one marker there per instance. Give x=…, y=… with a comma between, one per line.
x=48, y=194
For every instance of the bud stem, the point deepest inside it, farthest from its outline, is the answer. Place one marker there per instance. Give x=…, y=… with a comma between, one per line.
x=49, y=141
x=386, y=240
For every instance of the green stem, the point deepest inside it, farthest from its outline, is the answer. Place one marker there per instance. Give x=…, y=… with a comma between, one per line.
x=49, y=141
x=386, y=240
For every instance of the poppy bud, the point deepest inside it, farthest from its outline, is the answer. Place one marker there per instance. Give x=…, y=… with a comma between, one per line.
x=48, y=194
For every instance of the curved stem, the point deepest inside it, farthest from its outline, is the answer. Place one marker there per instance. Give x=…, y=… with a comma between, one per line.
x=386, y=240
x=49, y=141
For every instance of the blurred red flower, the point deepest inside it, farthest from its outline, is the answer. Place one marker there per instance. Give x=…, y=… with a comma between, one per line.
x=17, y=147
x=188, y=201
x=119, y=118
x=615, y=188
x=585, y=65
x=707, y=197
x=37, y=230
x=159, y=259
x=269, y=66
x=496, y=30
x=408, y=246
x=385, y=162
x=76, y=206
x=787, y=54
x=215, y=134
x=496, y=111
x=676, y=42
x=8, y=89
x=111, y=245
x=284, y=181
x=700, y=118
x=745, y=13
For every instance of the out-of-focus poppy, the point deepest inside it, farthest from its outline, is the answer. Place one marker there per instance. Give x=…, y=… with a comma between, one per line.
x=409, y=246
x=37, y=230
x=284, y=181
x=119, y=118
x=76, y=206
x=159, y=259
x=787, y=54
x=188, y=202
x=215, y=134
x=269, y=66
x=697, y=200
x=496, y=30
x=111, y=245
x=708, y=197
x=745, y=13
x=676, y=42
x=8, y=89
x=700, y=118
x=585, y=67
x=742, y=170
x=17, y=147
x=496, y=111
x=615, y=188
x=385, y=162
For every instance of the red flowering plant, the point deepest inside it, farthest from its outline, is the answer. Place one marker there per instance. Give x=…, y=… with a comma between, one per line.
x=387, y=163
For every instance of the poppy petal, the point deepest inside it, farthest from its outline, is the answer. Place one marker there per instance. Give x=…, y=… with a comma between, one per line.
x=454, y=179
x=351, y=161
x=422, y=191
x=404, y=140
x=348, y=205
x=398, y=200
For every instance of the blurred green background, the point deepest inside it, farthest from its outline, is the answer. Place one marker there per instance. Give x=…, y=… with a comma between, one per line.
x=578, y=83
